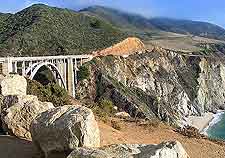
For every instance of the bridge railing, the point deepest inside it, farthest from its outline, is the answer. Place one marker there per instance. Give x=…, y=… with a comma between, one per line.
x=12, y=62
x=45, y=58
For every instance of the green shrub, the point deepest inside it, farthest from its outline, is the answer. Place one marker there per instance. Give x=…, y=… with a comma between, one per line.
x=49, y=93
x=103, y=109
x=83, y=73
x=95, y=24
x=107, y=106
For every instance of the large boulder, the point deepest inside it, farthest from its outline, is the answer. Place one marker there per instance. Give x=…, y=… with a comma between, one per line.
x=65, y=128
x=163, y=150
x=14, y=85
x=19, y=111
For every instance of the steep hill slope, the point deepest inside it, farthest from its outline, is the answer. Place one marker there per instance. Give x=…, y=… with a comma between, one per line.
x=145, y=25
x=119, y=18
x=43, y=30
x=3, y=16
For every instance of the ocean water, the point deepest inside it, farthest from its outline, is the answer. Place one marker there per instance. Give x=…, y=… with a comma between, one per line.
x=217, y=128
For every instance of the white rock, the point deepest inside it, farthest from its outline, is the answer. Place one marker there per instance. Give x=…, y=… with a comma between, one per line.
x=17, y=118
x=163, y=150
x=64, y=129
x=14, y=85
x=115, y=108
x=123, y=115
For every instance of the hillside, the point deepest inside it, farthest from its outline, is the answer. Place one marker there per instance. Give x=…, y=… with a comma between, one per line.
x=196, y=28
x=43, y=30
x=120, y=19
x=133, y=24
x=3, y=16
x=150, y=26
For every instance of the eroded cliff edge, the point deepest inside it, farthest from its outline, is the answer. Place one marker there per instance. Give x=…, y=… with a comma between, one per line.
x=165, y=84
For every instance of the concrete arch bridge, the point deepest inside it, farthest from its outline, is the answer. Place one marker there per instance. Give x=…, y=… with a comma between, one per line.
x=63, y=68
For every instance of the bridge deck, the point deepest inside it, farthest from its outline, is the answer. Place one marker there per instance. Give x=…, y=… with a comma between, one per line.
x=46, y=58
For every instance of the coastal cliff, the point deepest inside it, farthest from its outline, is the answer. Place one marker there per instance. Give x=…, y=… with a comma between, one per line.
x=160, y=84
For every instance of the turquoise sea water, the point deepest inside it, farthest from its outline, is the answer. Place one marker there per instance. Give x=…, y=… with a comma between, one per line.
x=217, y=131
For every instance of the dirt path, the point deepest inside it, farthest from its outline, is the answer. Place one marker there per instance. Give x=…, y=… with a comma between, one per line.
x=130, y=133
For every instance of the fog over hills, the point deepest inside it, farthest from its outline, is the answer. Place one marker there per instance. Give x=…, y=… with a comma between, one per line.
x=134, y=21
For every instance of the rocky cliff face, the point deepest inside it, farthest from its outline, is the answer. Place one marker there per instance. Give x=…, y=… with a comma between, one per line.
x=211, y=82
x=160, y=83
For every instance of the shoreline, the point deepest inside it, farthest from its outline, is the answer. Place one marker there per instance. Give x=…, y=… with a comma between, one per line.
x=200, y=122
x=203, y=123
x=216, y=118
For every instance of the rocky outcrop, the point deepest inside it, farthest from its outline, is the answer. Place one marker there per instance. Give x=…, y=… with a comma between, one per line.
x=211, y=93
x=65, y=128
x=19, y=111
x=160, y=83
x=13, y=85
x=164, y=150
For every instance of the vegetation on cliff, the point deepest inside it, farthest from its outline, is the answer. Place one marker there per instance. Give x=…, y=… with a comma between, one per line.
x=83, y=73
x=48, y=93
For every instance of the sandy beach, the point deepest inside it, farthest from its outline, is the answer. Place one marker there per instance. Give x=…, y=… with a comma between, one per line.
x=200, y=122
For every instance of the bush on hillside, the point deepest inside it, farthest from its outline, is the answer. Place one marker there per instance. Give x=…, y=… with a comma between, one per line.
x=107, y=106
x=83, y=73
x=103, y=109
x=49, y=93
x=95, y=24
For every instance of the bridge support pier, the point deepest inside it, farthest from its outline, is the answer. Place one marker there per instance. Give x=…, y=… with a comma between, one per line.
x=7, y=66
x=70, y=79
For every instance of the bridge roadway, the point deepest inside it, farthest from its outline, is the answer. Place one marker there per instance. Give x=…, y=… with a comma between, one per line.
x=63, y=68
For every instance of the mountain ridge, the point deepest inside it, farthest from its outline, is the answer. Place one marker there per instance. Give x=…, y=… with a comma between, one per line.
x=44, y=30
x=197, y=28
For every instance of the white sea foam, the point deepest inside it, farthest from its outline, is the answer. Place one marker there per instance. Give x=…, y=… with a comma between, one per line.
x=216, y=118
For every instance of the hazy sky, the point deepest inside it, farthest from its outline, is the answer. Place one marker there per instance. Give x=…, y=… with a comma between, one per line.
x=202, y=10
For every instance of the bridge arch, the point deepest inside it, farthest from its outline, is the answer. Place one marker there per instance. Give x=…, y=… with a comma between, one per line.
x=63, y=67
x=33, y=70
